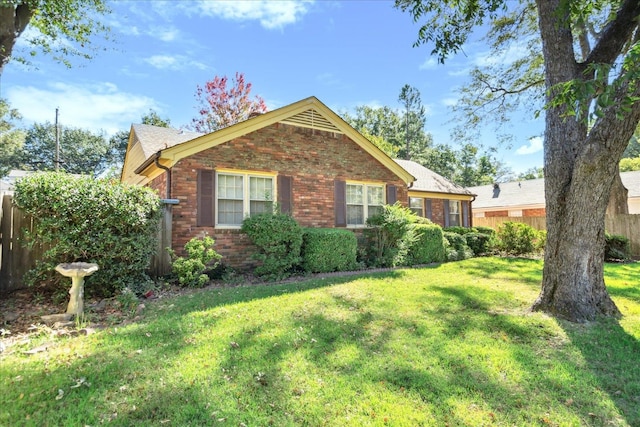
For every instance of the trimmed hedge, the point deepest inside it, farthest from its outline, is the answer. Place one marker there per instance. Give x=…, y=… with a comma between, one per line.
x=429, y=246
x=479, y=243
x=279, y=239
x=456, y=247
x=516, y=238
x=328, y=249
x=98, y=221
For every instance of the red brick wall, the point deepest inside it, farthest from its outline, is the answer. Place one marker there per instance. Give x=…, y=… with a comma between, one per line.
x=534, y=212
x=496, y=213
x=437, y=211
x=314, y=159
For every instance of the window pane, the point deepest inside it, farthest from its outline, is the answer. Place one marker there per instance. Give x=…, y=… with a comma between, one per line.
x=375, y=196
x=230, y=212
x=373, y=210
x=260, y=188
x=415, y=202
x=355, y=215
x=230, y=187
x=355, y=194
x=415, y=205
x=454, y=213
x=258, y=207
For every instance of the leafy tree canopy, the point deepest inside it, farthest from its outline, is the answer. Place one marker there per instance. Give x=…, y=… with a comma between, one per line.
x=61, y=28
x=81, y=151
x=220, y=106
x=11, y=138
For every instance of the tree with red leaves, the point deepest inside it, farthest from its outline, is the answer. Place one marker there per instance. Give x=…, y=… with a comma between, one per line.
x=220, y=107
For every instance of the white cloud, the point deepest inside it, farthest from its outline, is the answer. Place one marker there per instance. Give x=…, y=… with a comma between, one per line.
x=177, y=62
x=93, y=107
x=270, y=14
x=449, y=101
x=535, y=145
x=429, y=64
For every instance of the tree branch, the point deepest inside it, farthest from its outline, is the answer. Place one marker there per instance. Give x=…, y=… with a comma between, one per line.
x=615, y=35
x=505, y=91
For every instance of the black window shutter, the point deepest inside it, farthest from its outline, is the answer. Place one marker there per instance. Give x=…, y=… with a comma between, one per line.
x=446, y=212
x=340, y=200
x=428, y=209
x=284, y=194
x=465, y=213
x=206, y=198
x=392, y=194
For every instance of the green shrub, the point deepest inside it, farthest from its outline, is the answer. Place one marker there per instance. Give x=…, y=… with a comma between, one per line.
x=485, y=230
x=479, y=243
x=516, y=238
x=98, y=221
x=616, y=247
x=192, y=271
x=456, y=247
x=328, y=249
x=390, y=236
x=459, y=230
x=279, y=239
x=429, y=246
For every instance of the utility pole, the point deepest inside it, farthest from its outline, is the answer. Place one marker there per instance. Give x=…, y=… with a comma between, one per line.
x=57, y=160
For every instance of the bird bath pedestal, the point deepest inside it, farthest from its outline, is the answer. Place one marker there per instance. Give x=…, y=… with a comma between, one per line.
x=77, y=271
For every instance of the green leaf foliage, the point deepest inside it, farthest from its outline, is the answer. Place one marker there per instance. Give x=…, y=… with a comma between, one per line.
x=515, y=238
x=390, y=236
x=616, y=247
x=278, y=238
x=429, y=246
x=328, y=249
x=456, y=247
x=201, y=258
x=98, y=221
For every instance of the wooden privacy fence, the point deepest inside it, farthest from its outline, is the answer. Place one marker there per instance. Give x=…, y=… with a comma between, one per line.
x=16, y=260
x=624, y=225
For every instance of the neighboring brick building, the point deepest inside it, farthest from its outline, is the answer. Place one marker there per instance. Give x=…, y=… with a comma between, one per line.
x=303, y=157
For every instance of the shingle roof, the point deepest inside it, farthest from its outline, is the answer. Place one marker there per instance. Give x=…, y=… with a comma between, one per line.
x=154, y=138
x=631, y=181
x=428, y=180
x=531, y=192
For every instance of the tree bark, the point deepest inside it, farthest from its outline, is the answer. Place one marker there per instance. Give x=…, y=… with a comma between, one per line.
x=580, y=168
x=13, y=21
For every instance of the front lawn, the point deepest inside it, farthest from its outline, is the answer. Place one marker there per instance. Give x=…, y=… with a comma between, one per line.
x=451, y=344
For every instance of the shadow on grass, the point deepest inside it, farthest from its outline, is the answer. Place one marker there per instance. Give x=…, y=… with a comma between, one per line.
x=611, y=354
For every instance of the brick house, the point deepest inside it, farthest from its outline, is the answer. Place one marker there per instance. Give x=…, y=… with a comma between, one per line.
x=303, y=156
x=526, y=198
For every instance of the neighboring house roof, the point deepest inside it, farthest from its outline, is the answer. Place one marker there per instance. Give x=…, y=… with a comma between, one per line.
x=531, y=192
x=145, y=150
x=429, y=181
x=631, y=181
x=509, y=194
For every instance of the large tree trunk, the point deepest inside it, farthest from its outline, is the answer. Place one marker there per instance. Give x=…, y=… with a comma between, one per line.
x=580, y=167
x=618, y=200
x=13, y=21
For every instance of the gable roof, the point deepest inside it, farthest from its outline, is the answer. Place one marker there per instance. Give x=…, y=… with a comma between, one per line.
x=141, y=166
x=429, y=181
x=531, y=192
x=506, y=194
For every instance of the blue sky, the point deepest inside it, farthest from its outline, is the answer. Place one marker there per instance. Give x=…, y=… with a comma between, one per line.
x=346, y=53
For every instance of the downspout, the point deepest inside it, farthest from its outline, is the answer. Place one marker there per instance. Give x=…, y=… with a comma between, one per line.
x=168, y=170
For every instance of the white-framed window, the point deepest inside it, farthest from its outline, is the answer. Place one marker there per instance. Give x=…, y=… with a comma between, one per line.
x=455, y=213
x=239, y=195
x=363, y=201
x=416, y=205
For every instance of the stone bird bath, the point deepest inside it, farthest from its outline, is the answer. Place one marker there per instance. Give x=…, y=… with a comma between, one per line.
x=77, y=271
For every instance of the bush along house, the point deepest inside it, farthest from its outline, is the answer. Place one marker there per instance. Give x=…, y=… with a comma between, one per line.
x=303, y=157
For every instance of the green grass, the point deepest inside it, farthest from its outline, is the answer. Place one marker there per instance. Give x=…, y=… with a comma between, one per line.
x=452, y=344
